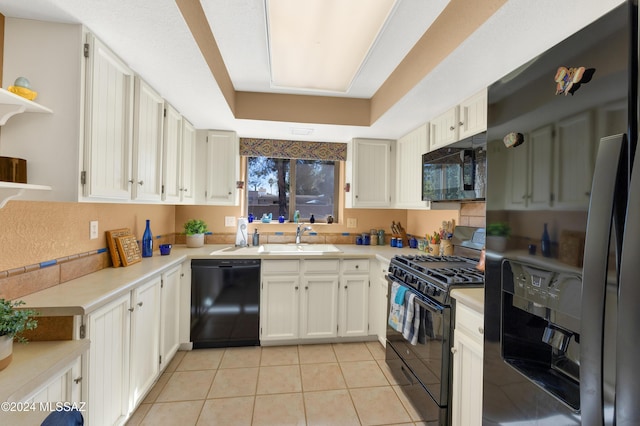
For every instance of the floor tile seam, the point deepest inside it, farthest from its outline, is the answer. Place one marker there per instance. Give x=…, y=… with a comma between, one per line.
x=411, y=421
x=359, y=387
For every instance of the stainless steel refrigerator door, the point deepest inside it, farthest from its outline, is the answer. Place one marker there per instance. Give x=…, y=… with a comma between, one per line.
x=596, y=277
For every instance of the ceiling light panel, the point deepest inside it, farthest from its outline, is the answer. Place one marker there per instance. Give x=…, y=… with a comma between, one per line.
x=320, y=45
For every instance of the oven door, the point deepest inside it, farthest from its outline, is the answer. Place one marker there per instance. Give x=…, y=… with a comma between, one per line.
x=428, y=360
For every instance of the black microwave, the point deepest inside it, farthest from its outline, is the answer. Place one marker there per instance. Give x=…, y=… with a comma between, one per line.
x=454, y=173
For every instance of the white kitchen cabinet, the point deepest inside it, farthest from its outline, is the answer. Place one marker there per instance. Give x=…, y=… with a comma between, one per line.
x=188, y=163
x=314, y=299
x=409, y=150
x=65, y=387
x=529, y=171
x=574, y=165
x=146, y=174
x=145, y=339
x=279, y=307
x=472, y=115
x=222, y=169
x=459, y=122
x=108, y=126
x=107, y=370
x=466, y=401
x=369, y=173
x=170, y=315
x=171, y=156
x=378, y=310
x=354, y=298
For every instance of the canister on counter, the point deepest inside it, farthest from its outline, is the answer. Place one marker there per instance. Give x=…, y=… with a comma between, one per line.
x=359, y=240
x=366, y=239
x=394, y=242
x=381, y=237
x=374, y=237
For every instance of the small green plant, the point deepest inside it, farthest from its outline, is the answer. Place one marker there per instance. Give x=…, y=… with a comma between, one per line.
x=498, y=229
x=14, y=321
x=195, y=226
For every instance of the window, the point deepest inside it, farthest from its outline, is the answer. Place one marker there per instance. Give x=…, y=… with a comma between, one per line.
x=281, y=186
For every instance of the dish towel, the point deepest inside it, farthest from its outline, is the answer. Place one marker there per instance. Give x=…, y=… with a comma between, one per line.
x=411, y=326
x=396, y=310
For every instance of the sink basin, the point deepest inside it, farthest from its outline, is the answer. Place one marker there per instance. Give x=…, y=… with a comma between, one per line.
x=298, y=249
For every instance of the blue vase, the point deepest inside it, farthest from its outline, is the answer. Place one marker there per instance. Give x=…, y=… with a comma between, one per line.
x=545, y=243
x=147, y=242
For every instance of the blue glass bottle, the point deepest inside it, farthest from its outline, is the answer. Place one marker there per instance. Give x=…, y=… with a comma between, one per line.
x=545, y=243
x=147, y=242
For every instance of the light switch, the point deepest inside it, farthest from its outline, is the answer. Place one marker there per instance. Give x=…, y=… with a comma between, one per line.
x=93, y=230
x=229, y=221
x=352, y=222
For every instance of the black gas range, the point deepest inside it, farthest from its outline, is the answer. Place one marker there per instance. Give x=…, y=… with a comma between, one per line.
x=436, y=276
x=420, y=359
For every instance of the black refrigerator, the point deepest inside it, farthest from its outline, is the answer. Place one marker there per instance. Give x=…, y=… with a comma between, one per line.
x=562, y=297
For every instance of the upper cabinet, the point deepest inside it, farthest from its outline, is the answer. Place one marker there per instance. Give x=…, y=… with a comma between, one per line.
x=108, y=131
x=171, y=155
x=187, y=163
x=463, y=120
x=222, y=168
x=409, y=168
x=369, y=173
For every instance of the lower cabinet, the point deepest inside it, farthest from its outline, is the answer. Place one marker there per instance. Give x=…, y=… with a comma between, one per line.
x=466, y=403
x=314, y=299
x=378, y=300
x=132, y=338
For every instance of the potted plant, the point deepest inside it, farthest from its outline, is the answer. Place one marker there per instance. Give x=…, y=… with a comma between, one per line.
x=13, y=322
x=497, y=234
x=195, y=230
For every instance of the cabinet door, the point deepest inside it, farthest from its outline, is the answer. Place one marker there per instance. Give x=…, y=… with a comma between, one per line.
x=279, y=308
x=145, y=336
x=473, y=115
x=171, y=155
x=108, y=126
x=409, y=168
x=223, y=165
x=170, y=315
x=443, y=129
x=466, y=401
x=574, y=162
x=108, y=328
x=371, y=173
x=378, y=300
x=319, y=307
x=540, y=168
x=188, y=164
x=354, y=306
x=146, y=182
x=517, y=178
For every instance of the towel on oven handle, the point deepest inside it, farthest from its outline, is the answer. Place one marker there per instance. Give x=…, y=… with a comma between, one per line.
x=411, y=327
x=396, y=310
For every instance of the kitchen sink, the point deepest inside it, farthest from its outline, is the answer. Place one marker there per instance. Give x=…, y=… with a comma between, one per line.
x=298, y=249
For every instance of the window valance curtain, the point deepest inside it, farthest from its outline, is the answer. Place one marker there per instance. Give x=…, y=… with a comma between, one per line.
x=293, y=149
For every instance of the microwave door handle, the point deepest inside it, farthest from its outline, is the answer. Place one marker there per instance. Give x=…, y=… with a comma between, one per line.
x=627, y=372
x=594, y=277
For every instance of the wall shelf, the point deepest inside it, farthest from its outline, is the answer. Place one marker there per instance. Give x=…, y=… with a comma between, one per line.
x=10, y=190
x=12, y=104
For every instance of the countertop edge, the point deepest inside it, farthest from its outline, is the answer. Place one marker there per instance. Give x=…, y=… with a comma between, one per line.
x=471, y=297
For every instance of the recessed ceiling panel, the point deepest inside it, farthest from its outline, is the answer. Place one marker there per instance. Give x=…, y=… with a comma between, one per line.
x=320, y=45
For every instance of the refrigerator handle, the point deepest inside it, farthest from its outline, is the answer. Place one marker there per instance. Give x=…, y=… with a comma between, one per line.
x=594, y=277
x=627, y=348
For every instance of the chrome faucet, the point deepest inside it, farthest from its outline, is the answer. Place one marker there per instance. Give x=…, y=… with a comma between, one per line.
x=299, y=232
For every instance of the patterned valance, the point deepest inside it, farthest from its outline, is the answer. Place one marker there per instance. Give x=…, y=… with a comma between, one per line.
x=293, y=149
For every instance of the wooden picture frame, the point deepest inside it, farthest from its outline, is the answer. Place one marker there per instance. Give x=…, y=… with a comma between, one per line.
x=113, y=247
x=128, y=249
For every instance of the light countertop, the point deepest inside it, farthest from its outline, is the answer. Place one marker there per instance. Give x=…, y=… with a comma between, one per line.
x=472, y=297
x=85, y=294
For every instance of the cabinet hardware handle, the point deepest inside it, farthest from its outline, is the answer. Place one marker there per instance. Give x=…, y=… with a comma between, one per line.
x=296, y=287
x=454, y=350
x=140, y=183
x=345, y=287
x=78, y=380
x=306, y=287
x=130, y=309
x=229, y=193
x=130, y=180
x=460, y=123
x=357, y=266
x=481, y=330
x=139, y=303
x=452, y=128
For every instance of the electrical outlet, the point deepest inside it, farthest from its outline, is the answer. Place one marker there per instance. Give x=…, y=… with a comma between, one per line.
x=229, y=221
x=93, y=230
x=352, y=222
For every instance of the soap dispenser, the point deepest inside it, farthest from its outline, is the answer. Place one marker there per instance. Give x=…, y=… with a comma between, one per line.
x=256, y=238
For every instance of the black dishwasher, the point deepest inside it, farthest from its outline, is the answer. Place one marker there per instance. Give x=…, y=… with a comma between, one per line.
x=225, y=302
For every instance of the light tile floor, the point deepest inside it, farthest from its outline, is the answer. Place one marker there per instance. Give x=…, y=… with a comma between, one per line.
x=328, y=385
